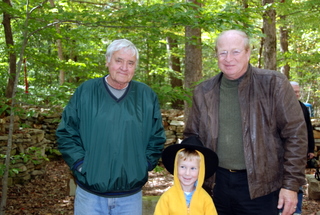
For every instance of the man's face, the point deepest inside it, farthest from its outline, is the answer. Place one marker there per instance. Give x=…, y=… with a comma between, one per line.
x=122, y=66
x=296, y=90
x=233, y=58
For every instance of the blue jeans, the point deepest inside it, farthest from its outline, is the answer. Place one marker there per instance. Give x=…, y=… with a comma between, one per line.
x=300, y=199
x=87, y=203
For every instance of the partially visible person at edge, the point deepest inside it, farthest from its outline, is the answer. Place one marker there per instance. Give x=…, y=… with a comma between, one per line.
x=190, y=163
x=310, y=155
x=248, y=117
x=111, y=135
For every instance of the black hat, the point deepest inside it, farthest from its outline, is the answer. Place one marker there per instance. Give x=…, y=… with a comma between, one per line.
x=193, y=142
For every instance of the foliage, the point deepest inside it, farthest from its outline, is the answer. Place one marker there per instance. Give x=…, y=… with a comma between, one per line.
x=12, y=171
x=158, y=169
x=53, y=152
x=4, y=107
x=303, y=56
x=33, y=154
x=85, y=28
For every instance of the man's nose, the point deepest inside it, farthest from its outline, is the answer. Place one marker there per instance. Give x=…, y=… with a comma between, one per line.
x=124, y=66
x=228, y=57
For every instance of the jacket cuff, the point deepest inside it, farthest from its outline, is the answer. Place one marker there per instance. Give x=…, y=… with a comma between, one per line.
x=78, y=166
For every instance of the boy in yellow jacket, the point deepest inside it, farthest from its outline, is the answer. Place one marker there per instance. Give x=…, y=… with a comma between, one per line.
x=190, y=163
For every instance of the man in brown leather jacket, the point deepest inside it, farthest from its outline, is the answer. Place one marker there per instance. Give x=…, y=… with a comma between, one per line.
x=248, y=117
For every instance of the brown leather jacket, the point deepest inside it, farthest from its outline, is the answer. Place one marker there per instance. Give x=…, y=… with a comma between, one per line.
x=274, y=130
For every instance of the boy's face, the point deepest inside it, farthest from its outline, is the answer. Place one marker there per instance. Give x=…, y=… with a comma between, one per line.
x=188, y=171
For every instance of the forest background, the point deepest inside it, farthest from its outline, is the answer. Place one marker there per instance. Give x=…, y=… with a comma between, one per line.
x=49, y=47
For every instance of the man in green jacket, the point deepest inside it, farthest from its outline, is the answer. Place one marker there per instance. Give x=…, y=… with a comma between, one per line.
x=111, y=135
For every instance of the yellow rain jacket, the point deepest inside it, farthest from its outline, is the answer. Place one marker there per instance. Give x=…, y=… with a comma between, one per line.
x=173, y=201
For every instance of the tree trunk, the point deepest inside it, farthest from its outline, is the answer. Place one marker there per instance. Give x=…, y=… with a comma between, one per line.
x=174, y=63
x=270, y=42
x=12, y=113
x=284, y=48
x=60, y=50
x=10, y=44
x=60, y=55
x=193, y=59
x=9, y=94
x=261, y=50
x=193, y=56
x=284, y=35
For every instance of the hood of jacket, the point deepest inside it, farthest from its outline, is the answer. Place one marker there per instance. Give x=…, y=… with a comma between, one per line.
x=181, y=200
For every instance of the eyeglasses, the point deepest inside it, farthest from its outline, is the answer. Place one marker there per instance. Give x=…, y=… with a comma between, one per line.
x=234, y=53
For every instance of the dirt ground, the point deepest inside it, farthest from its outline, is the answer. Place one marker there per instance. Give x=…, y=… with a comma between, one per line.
x=49, y=195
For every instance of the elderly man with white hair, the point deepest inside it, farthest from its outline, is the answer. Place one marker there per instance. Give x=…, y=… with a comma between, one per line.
x=310, y=155
x=111, y=135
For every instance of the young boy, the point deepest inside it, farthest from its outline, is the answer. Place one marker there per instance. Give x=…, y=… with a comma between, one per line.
x=190, y=163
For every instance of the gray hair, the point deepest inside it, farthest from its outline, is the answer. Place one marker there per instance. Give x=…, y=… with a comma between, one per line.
x=246, y=38
x=294, y=83
x=117, y=45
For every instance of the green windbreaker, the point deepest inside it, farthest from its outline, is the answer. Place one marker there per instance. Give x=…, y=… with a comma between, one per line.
x=118, y=140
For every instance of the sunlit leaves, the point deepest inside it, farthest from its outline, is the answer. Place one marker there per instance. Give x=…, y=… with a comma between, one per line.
x=87, y=27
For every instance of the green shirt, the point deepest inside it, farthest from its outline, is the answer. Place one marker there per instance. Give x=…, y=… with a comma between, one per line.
x=230, y=143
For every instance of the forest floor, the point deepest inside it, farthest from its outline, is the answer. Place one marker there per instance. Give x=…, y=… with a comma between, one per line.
x=49, y=194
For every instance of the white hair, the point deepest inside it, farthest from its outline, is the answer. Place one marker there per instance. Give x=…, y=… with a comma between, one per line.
x=294, y=83
x=117, y=45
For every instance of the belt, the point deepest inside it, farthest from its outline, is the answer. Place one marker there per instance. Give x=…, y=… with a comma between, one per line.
x=234, y=170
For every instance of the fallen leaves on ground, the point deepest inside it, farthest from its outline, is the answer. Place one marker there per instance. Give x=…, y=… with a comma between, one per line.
x=49, y=194
x=43, y=195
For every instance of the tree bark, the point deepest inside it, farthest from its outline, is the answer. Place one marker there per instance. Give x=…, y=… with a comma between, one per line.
x=10, y=91
x=284, y=48
x=13, y=103
x=261, y=50
x=193, y=59
x=60, y=50
x=10, y=45
x=174, y=63
x=270, y=42
x=284, y=45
